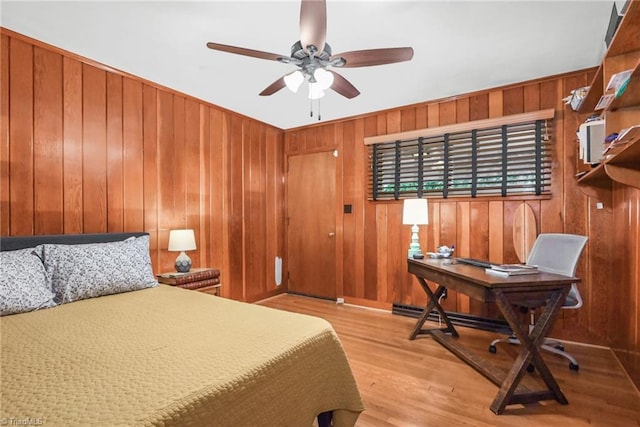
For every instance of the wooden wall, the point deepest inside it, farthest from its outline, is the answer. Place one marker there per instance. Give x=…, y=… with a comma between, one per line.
x=624, y=283
x=372, y=241
x=87, y=149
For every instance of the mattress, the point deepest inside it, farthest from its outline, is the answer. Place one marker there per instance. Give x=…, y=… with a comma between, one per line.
x=169, y=356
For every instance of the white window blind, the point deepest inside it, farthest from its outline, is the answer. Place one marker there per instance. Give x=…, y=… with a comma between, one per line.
x=497, y=161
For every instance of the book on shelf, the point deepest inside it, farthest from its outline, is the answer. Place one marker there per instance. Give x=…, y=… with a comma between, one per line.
x=629, y=134
x=176, y=278
x=576, y=98
x=605, y=101
x=512, y=269
x=619, y=81
x=624, y=137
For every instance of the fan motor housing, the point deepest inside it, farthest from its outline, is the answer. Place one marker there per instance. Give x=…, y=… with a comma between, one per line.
x=298, y=52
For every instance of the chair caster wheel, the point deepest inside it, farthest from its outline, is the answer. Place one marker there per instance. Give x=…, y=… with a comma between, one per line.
x=574, y=367
x=531, y=368
x=493, y=349
x=559, y=347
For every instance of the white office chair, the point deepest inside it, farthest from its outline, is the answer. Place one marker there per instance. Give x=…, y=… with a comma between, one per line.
x=554, y=253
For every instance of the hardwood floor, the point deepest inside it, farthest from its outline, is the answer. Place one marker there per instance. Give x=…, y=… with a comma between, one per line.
x=420, y=383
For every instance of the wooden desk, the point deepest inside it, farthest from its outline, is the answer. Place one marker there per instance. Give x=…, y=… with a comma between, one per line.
x=544, y=290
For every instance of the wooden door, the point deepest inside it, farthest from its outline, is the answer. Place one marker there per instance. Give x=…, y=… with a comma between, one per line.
x=311, y=210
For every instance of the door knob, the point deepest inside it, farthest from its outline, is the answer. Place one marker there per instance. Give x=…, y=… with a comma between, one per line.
x=332, y=234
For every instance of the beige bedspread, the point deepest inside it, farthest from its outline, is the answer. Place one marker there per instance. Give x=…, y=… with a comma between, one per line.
x=168, y=356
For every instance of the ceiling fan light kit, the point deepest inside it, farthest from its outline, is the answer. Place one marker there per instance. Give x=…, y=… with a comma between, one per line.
x=312, y=55
x=294, y=80
x=315, y=91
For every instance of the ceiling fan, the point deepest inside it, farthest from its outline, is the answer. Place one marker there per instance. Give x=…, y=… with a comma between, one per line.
x=313, y=56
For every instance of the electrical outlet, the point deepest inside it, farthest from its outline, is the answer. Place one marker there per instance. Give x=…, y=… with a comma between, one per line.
x=599, y=205
x=340, y=301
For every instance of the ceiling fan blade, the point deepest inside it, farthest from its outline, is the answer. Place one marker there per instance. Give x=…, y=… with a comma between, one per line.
x=313, y=24
x=246, y=52
x=366, y=58
x=343, y=87
x=273, y=87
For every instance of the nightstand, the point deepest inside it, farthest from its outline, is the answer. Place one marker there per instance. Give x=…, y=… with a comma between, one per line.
x=206, y=280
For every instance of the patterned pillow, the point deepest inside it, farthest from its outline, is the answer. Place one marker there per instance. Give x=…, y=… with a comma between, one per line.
x=86, y=271
x=24, y=285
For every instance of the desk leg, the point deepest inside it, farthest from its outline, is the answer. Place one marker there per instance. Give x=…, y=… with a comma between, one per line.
x=433, y=303
x=530, y=353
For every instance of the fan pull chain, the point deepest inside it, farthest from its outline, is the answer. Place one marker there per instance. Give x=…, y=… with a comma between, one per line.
x=311, y=109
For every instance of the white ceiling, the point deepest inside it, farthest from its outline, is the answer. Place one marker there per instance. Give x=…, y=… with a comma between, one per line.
x=459, y=46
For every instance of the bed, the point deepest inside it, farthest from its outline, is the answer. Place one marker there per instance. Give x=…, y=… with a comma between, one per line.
x=168, y=356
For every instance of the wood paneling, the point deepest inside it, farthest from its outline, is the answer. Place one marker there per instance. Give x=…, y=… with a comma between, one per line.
x=150, y=169
x=349, y=196
x=21, y=173
x=192, y=173
x=236, y=208
x=133, y=155
x=115, y=167
x=483, y=228
x=47, y=141
x=73, y=203
x=623, y=287
x=5, y=226
x=94, y=149
x=84, y=148
x=479, y=107
x=117, y=152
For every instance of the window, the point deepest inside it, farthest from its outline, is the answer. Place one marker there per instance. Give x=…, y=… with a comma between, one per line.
x=496, y=161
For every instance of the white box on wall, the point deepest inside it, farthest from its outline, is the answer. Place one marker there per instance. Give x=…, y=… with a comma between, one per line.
x=591, y=137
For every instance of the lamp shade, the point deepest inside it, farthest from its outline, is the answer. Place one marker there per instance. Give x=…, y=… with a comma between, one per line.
x=294, y=80
x=182, y=240
x=415, y=212
x=324, y=78
x=315, y=91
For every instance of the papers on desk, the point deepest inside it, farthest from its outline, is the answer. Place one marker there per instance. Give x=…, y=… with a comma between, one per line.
x=506, y=270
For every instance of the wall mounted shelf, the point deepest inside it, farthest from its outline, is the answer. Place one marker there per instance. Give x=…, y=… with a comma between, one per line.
x=623, y=167
x=594, y=93
x=624, y=111
x=631, y=95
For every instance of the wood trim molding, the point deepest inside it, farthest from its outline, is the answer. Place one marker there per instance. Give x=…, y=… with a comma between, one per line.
x=461, y=127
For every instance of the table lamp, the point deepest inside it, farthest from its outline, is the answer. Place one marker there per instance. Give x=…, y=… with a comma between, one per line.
x=181, y=241
x=415, y=212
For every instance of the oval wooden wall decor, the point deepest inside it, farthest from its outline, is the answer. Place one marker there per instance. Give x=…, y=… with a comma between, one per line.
x=524, y=231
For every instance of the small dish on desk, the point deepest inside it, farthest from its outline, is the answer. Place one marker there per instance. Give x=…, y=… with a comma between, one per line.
x=438, y=255
x=445, y=251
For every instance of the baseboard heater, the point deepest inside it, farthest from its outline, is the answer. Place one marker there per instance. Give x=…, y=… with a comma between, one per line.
x=458, y=319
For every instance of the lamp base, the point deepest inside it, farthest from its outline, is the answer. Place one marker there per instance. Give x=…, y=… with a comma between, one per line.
x=412, y=252
x=414, y=247
x=183, y=263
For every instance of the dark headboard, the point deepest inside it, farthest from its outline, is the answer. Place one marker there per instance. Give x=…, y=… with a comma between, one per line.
x=20, y=242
